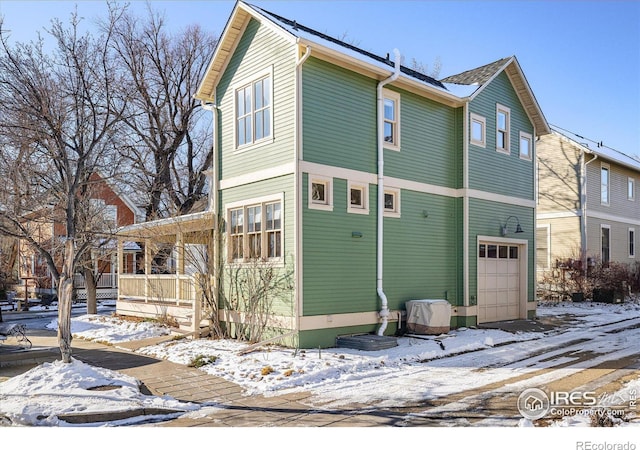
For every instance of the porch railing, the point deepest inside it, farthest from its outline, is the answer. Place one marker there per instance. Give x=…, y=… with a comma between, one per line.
x=164, y=288
x=105, y=280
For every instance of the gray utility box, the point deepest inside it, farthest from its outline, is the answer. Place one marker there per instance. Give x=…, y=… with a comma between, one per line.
x=428, y=316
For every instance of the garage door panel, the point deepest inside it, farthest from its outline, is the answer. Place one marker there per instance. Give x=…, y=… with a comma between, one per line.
x=498, y=283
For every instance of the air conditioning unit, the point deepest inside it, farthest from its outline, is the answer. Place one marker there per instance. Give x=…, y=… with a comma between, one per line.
x=428, y=316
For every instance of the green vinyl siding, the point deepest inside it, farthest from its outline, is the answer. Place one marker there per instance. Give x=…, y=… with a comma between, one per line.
x=245, y=194
x=422, y=255
x=339, y=271
x=259, y=49
x=339, y=117
x=423, y=250
x=430, y=148
x=490, y=170
x=485, y=219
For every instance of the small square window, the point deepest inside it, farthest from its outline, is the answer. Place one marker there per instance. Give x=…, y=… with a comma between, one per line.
x=320, y=195
x=392, y=203
x=357, y=201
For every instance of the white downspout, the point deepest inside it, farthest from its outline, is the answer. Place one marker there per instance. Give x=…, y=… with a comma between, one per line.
x=384, y=310
x=583, y=206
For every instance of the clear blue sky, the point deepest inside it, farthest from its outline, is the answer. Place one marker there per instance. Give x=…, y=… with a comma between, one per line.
x=581, y=58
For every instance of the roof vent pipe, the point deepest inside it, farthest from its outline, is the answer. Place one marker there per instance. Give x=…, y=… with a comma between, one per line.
x=384, y=310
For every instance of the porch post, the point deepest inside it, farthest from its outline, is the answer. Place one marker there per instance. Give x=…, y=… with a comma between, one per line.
x=147, y=268
x=179, y=264
x=120, y=260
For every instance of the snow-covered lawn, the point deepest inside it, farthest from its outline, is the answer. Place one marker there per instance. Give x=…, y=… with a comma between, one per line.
x=419, y=368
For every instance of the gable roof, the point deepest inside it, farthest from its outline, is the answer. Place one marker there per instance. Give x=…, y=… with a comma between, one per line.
x=482, y=77
x=455, y=90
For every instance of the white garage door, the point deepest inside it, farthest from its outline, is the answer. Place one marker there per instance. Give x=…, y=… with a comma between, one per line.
x=498, y=282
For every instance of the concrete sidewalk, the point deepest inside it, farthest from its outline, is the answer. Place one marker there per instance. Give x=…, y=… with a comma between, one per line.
x=160, y=377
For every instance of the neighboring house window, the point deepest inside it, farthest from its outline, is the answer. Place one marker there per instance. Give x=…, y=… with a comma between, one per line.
x=255, y=231
x=478, y=130
x=631, y=189
x=526, y=141
x=604, y=184
x=605, y=241
x=391, y=119
x=543, y=248
x=502, y=128
x=253, y=111
x=392, y=202
x=632, y=242
x=320, y=193
x=358, y=198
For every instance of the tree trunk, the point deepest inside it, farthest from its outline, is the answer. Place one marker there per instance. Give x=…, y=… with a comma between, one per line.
x=90, y=286
x=65, y=297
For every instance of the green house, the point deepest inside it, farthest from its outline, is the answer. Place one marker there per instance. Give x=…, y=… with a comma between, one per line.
x=361, y=184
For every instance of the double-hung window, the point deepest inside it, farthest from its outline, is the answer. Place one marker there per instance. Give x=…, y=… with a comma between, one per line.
x=391, y=123
x=503, y=126
x=253, y=111
x=604, y=184
x=255, y=231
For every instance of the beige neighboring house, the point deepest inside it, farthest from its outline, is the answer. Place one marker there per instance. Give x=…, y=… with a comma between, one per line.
x=588, y=208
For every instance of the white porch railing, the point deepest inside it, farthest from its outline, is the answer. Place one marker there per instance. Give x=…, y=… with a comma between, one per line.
x=164, y=288
x=106, y=280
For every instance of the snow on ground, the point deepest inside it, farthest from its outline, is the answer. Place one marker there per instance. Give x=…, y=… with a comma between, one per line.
x=334, y=376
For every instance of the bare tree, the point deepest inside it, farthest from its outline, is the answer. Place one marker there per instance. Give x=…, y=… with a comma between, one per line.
x=168, y=142
x=59, y=118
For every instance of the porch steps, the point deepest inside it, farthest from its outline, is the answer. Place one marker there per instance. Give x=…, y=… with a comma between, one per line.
x=367, y=342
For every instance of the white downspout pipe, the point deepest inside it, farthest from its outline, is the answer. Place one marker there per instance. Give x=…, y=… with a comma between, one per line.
x=583, y=206
x=384, y=310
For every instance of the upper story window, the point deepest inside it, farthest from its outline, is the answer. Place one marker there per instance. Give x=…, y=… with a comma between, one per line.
x=631, y=189
x=253, y=111
x=526, y=143
x=320, y=193
x=478, y=130
x=604, y=184
x=107, y=215
x=255, y=231
x=503, y=125
x=391, y=119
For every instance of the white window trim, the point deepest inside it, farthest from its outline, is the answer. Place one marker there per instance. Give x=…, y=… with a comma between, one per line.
x=547, y=228
x=392, y=95
x=365, y=197
x=266, y=73
x=631, y=182
x=608, y=168
x=276, y=262
x=328, y=182
x=528, y=137
x=396, y=212
x=629, y=242
x=605, y=227
x=482, y=121
x=507, y=111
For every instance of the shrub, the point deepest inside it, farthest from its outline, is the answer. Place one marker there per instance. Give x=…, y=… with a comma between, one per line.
x=266, y=370
x=202, y=360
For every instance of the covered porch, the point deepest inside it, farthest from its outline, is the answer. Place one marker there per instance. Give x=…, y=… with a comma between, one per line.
x=173, y=277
